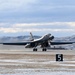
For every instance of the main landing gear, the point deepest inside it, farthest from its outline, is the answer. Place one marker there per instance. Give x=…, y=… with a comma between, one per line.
x=35, y=49
x=44, y=49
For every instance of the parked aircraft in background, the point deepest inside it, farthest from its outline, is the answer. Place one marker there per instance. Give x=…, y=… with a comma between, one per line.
x=45, y=41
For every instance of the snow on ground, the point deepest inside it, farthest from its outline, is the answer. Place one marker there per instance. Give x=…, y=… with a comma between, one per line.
x=21, y=62
x=43, y=73
x=5, y=70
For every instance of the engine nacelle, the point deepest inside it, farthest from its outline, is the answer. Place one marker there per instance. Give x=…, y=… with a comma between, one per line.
x=45, y=44
x=27, y=46
x=31, y=45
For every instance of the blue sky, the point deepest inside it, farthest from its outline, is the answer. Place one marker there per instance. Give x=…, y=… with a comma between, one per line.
x=19, y=17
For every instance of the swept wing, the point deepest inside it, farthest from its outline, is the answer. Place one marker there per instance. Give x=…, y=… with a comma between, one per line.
x=61, y=43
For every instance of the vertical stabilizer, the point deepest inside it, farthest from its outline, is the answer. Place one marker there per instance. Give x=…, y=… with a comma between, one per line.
x=31, y=37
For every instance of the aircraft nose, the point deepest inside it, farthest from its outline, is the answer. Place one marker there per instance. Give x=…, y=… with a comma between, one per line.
x=52, y=37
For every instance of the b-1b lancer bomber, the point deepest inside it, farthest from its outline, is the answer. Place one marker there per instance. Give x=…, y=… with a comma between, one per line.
x=45, y=41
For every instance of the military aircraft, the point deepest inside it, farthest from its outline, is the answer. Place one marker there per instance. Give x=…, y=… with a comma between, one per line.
x=45, y=41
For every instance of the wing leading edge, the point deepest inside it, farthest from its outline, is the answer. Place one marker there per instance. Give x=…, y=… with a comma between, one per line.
x=23, y=43
x=16, y=43
x=61, y=43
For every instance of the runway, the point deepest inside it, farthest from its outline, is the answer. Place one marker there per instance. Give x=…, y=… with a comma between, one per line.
x=30, y=51
x=16, y=60
x=22, y=50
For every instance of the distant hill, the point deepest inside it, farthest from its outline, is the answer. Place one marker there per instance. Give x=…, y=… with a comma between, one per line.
x=24, y=38
x=70, y=38
x=16, y=39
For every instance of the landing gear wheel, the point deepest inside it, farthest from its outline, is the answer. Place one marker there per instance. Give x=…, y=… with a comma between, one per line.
x=44, y=49
x=35, y=49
